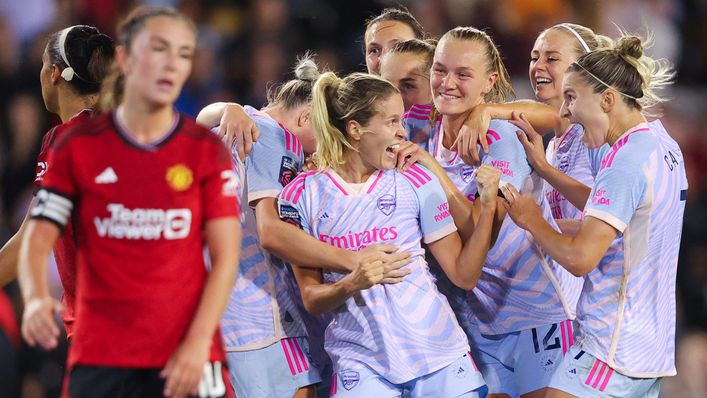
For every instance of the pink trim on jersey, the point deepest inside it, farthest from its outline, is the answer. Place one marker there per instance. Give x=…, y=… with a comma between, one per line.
x=420, y=112
x=570, y=332
x=421, y=172
x=287, y=355
x=380, y=173
x=409, y=115
x=492, y=136
x=410, y=172
x=296, y=184
x=336, y=183
x=423, y=106
x=412, y=180
x=334, y=380
x=301, y=354
x=609, y=159
x=292, y=144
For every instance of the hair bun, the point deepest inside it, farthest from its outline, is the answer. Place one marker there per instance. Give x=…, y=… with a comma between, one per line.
x=629, y=46
x=306, y=69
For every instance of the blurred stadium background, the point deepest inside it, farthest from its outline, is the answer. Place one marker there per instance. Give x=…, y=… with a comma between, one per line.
x=244, y=45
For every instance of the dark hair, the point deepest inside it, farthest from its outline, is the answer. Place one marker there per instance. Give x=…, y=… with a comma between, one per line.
x=425, y=48
x=298, y=90
x=626, y=69
x=113, y=86
x=399, y=14
x=502, y=89
x=336, y=101
x=88, y=52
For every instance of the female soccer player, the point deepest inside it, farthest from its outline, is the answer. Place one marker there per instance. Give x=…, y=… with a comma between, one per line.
x=517, y=315
x=554, y=50
x=382, y=32
x=626, y=312
x=264, y=325
x=147, y=188
x=74, y=63
x=407, y=65
x=385, y=339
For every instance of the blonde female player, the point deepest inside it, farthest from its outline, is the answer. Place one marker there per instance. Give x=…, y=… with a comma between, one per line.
x=147, y=188
x=626, y=312
x=385, y=340
x=517, y=315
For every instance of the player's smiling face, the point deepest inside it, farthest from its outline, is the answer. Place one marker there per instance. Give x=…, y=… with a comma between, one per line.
x=378, y=141
x=583, y=106
x=460, y=77
x=552, y=54
x=160, y=60
x=407, y=72
x=380, y=37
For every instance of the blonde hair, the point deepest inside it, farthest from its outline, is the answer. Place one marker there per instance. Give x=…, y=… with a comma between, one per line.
x=297, y=91
x=626, y=69
x=337, y=101
x=586, y=40
x=502, y=89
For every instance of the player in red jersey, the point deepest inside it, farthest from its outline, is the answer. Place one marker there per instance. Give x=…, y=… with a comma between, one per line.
x=146, y=187
x=74, y=63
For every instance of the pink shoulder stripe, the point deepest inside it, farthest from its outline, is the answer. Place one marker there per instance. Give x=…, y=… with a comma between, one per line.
x=378, y=177
x=292, y=187
x=336, y=183
x=413, y=116
x=421, y=172
x=609, y=158
x=412, y=180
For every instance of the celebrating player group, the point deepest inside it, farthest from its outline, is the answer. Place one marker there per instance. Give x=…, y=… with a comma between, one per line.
x=397, y=233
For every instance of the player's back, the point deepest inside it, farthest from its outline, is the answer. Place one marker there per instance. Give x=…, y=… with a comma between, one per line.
x=627, y=309
x=265, y=305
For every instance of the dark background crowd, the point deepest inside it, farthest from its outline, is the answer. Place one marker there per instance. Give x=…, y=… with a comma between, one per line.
x=245, y=45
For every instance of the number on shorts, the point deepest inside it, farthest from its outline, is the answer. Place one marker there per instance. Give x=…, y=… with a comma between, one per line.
x=546, y=346
x=212, y=384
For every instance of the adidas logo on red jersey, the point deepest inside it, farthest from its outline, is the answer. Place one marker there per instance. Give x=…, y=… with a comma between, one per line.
x=107, y=176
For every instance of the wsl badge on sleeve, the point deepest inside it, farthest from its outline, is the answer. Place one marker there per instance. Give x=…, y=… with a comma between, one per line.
x=291, y=215
x=288, y=170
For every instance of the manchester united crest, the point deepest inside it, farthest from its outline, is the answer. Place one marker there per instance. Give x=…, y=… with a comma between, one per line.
x=179, y=177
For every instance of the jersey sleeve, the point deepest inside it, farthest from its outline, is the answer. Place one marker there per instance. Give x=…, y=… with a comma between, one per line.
x=416, y=123
x=506, y=153
x=58, y=190
x=617, y=193
x=220, y=184
x=274, y=162
x=291, y=204
x=435, y=218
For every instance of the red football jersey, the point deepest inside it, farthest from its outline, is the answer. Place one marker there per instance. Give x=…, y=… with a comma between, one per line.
x=65, y=247
x=139, y=214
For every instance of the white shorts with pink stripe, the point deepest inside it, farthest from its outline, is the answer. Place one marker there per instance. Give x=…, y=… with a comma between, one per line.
x=582, y=375
x=278, y=370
